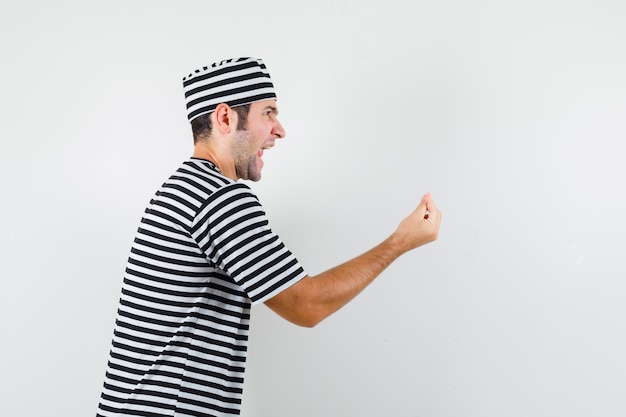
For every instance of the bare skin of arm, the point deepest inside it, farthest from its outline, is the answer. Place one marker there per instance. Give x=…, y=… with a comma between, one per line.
x=314, y=298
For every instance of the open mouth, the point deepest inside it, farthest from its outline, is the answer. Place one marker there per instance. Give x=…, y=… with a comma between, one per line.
x=262, y=151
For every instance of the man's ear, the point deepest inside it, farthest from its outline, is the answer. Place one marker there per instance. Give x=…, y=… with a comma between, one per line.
x=225, y=118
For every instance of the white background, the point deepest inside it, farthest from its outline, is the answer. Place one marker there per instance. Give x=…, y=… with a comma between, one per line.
x=513, y=114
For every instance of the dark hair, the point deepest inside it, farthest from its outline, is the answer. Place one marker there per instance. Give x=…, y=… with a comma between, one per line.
x=201, y=126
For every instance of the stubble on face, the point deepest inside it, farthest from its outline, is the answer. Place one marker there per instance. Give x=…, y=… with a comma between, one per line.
x=246, y=159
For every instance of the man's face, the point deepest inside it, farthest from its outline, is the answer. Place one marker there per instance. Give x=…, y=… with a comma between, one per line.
x=262, y=129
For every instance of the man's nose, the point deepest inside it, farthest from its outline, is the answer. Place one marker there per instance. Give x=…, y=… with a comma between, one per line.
x=278, y=130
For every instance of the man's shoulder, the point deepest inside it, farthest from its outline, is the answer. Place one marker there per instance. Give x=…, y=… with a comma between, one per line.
x=201, y=171
x=201, y=179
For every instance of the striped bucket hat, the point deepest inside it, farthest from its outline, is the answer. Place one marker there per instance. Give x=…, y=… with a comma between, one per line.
x=235, y=81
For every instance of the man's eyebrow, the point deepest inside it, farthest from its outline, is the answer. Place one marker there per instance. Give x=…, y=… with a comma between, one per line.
x=272, y=108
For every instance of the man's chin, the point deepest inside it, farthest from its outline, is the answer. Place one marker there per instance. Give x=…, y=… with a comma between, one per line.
x=254, y=177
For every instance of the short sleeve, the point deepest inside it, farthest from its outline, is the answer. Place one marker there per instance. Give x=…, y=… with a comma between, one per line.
x=232, y=230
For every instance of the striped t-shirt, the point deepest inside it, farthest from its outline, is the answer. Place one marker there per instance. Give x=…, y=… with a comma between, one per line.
x=203, y=255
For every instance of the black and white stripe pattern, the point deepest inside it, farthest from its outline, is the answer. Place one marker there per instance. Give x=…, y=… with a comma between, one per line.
x=235, y=81
x=203, y=254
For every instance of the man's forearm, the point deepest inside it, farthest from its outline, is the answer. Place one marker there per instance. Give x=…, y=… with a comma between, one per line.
x=312, y=299
x=337, y=286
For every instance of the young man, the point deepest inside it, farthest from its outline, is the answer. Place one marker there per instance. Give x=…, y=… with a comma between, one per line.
x=204, y=254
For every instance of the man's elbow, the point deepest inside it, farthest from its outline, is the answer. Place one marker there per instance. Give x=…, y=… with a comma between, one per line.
x=299, y=304
x=299, y=314
x=308, y=322
x=305, y=317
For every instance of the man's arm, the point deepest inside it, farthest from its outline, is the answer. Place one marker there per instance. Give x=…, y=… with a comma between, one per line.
x=312, y=299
